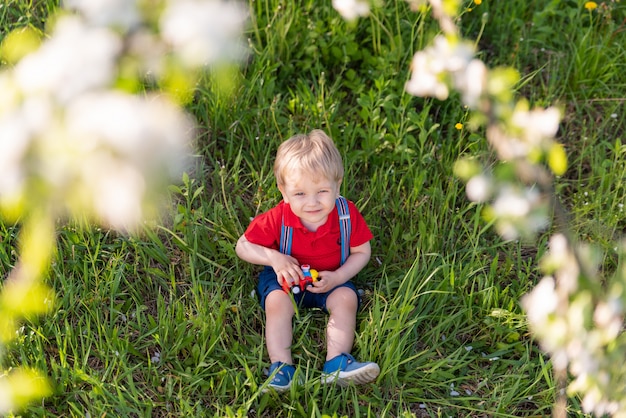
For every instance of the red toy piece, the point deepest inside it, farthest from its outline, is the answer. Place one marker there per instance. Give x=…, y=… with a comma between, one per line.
x=310, y=276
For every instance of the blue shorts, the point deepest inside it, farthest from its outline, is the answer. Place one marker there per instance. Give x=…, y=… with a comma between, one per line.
x=268, y=282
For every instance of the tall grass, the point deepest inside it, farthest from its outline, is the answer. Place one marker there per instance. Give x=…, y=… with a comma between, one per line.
x=164, y=324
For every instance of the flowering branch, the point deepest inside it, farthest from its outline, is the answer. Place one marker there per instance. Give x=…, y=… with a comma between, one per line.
x=576, y=318
x=86, y=138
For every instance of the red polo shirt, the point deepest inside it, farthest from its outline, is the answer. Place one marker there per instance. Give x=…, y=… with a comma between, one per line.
x=320, y=249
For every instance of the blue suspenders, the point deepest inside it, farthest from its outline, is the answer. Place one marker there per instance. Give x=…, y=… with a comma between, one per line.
x=286, y=232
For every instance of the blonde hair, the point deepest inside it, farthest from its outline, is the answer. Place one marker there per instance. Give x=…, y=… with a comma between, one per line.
x=312, y=153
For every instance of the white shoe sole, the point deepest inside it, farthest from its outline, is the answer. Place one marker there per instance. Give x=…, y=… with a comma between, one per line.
x=362, y=375
x=277, y=389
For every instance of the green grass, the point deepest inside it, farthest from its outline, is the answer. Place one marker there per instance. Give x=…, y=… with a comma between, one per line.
x=164, y=324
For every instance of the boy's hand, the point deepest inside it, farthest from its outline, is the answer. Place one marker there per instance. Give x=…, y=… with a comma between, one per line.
x=287, y=269
x=326, y=281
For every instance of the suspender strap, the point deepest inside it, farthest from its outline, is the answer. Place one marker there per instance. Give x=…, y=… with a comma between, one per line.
x=345, y=227
x=286, y=232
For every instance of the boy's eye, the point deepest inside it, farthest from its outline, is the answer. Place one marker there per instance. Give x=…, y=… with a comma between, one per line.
x=299, y=194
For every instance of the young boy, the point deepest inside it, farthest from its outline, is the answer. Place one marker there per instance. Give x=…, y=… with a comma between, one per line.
x=309, y=172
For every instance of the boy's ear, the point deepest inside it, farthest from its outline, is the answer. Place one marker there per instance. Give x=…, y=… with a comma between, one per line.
x=282, y=191
x=339, y=187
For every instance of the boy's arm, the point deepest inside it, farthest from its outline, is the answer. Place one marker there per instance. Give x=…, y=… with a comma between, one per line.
x=285, y=266
x=358, y=258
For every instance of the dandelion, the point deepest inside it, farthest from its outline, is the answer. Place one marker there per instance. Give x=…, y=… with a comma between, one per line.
x=478, y=2
x=590, y=5
x=459, y=126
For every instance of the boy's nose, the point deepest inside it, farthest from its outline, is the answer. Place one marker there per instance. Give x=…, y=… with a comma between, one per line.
x=312, y=200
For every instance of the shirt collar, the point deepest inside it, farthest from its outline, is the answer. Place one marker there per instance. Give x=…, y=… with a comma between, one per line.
x=290, y=219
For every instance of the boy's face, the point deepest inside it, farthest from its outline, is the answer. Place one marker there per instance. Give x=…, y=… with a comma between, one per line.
x=311, y=197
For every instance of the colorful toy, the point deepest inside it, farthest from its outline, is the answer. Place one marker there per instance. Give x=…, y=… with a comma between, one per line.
x=310, y=276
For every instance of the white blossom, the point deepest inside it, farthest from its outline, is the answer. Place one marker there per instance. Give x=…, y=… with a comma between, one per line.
x=478, y=188
x=352, y=9
x=511, y=203
x=204, y=32
x=123, y=14
x=425, y=82
x=519, y=212
x=6, y=395
x=609, y=316
x=472, y=82
x=14, y=142
x=117, y=162
x=437, y=66
x=10, y=96
x=537, y=125
x=75, y=59
x=562, y=261
x=541, y=302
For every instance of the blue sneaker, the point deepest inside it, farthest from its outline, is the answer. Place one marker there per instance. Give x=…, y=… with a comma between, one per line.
x=344, y=369
x=281, y=376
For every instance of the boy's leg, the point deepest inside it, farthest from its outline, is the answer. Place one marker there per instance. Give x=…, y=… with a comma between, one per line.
x=278, y=326
x=340, y=366
x=342, y=304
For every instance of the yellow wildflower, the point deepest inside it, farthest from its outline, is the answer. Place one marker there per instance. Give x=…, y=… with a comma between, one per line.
x=590, y=5
x=477, y=2
x=459, y=126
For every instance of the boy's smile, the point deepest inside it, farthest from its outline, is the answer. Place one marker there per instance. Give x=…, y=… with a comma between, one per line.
x=311, y=197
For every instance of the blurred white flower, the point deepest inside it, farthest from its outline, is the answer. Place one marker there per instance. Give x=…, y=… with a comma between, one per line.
x=6, y=395
x=609, y=317
x=76, y=58
x=595, y=402
x=352, y=9
x=511, y=203
x=122, y=14
x=541, y=302
x=537, y=125
x=10, y=96
x=437, y=66
x=472, y=83
x=14, y=141
x=18, y=128
x=519, y=212
x=478, y=188
x=204, y=32
x=561, y=261
x=424, y=82
x=122, y=147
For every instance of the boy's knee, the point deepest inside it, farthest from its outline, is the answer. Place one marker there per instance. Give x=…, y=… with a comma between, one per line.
x=278, y=302
x=343, y=297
